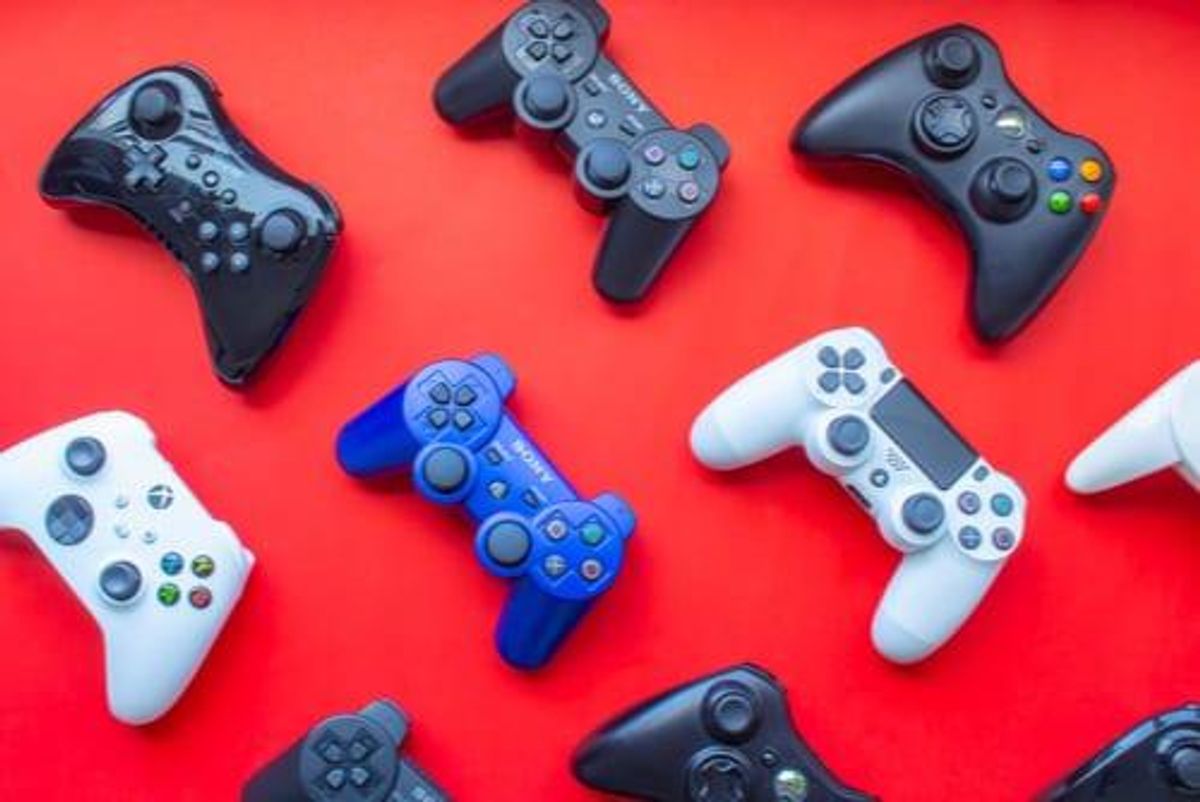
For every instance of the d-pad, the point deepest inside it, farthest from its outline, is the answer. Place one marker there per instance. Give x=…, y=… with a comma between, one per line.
x=346, y=762
x=842, y=370
x=143, y=168
x=451, y=404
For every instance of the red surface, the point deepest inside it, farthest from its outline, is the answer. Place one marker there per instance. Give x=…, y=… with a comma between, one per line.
x=454, y=245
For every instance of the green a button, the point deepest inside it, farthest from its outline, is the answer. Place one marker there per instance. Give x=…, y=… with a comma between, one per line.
x=591, y=533
x=168, y=594
x=1061, y=202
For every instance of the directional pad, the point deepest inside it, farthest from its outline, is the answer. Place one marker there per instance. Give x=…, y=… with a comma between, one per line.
x=347, y=761
x=143, y=168
x=841, y=369
x=450, y=404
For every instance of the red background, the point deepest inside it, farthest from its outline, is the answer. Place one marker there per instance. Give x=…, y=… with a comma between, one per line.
x=454, y=245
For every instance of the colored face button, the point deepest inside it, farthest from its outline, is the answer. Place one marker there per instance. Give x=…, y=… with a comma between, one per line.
x=689, y=192
x=970, y=538
x=968, y=502
x=555, y=566
x=1003, y=539
x=1060, y=202
x=171, y=563
x=1091, y=170
x=168, y=594
x=654, y=155
x=591, y=570
x=653, y=188
x=203, y=566
x=1059, y=169
x=1002, y=505
x=1090, y=203
x=557, y=529
x=688, y=158
x=592, y=533
x=200, y=597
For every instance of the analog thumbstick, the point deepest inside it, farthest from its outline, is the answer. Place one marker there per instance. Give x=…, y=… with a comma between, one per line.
x=952, y=61
x=546, y=98
x=1004, y=190
x=154, y=111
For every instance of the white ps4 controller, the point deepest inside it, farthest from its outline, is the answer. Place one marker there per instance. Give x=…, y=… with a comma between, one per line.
x=1161, y=432
x=158, y=574
x=956, y=519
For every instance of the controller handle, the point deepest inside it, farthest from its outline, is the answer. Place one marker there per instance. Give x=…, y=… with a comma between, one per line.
x=478, y=85
x=1162, y=431
x=636, y=247
x=378, y=440
x=534, y=624
x=933, y=592
x=758, y=416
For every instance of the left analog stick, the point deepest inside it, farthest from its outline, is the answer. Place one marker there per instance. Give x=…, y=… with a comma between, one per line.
x=445, y=470
x=155, y=110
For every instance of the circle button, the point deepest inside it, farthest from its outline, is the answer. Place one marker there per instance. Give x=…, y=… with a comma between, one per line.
x=120, y=581
x=85, y=456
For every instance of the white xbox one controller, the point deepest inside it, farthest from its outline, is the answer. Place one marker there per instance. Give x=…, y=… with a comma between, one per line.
x=1161, y=432
x=158, y=574
x=956, y=519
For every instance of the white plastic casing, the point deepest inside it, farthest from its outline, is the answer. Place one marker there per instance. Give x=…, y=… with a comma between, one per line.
x=1161, y=432
x=152, y=650
x=944, y=573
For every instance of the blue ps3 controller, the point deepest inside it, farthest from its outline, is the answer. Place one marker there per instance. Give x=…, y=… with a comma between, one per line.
x=448, y=427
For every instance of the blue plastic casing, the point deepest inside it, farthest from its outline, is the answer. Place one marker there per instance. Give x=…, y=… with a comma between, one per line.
x=447, y=426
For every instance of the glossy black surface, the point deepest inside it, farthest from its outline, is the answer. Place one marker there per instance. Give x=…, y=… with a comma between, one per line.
x=544, y=67
x=253, y=240
x=942, y=110
x=724, y=738
x=1157, y=761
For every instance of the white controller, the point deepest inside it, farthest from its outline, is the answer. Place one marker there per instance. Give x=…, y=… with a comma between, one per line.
x=956, y=519
x=1161, y=432
x=158, y=574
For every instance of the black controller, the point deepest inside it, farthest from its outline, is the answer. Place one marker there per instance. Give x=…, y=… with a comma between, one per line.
x=1158, y=761
x=545, y=66
x=1028, y=196
x=253, y=239
x=724, y=738
x=347, y=758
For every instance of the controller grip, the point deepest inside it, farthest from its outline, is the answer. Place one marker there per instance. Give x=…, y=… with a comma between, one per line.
x=1142, y=442
x=930, y=596
x=636, y=247
x=378, y=440
x=479, y=84
x=147, y=671
x=279, y=781
x=759, y=415
x=534, y=624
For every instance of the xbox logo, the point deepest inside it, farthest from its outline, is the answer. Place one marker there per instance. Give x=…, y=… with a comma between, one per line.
x=160, y=497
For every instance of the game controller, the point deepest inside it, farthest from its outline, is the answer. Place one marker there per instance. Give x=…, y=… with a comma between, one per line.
x=544, y=65
x=158, y=574
x=1163, y=431
x=955, y=518
x=1027, y=196
x=448, y=426
x=253, y=239
x=347, y=757
x=1158, y=761
x=724, y=738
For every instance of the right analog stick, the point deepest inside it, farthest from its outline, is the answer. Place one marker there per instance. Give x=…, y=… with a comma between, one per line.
x=282, y=231
x=1004, y=190
x=952, y=61
x=607, y=165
